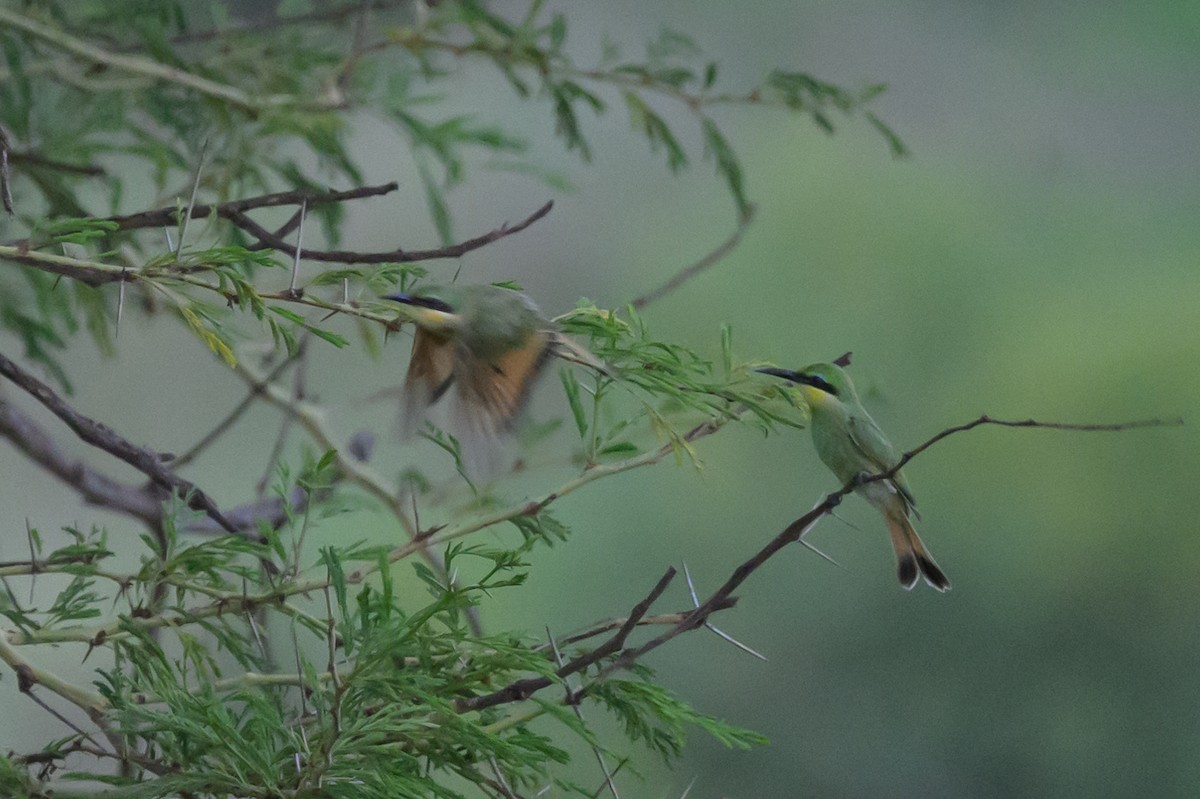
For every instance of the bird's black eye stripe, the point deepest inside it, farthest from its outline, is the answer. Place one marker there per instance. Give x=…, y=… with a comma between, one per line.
x=816, y=381
x=428, y=302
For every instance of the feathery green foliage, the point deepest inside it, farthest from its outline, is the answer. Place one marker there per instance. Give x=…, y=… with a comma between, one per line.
x=241, y=664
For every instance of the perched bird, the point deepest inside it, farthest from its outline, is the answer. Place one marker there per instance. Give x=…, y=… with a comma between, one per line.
x=484, y=346
x=850, y=443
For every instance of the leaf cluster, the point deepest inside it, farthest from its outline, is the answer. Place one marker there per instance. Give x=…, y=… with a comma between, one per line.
x=242, y=665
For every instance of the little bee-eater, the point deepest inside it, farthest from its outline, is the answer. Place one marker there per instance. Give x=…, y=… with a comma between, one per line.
x=853, y=447
x=485, y=346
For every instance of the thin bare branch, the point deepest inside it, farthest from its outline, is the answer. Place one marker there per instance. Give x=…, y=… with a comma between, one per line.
x=223, y=426
x=98, y=435
x=570, y=700
x=600, y=628
x=274, y=242
x=31, y=158
x=169, y=215
x=986, y=420
x=5, y=191
x=523, y=689
x=711, y=259
x=97, y=489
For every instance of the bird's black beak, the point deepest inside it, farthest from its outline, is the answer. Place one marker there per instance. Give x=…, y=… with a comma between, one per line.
x=786, y=374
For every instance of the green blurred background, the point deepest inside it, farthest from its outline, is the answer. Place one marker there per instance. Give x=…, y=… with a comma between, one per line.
x=1036, y=256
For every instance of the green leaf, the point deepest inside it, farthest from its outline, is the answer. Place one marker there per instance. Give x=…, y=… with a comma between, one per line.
x=727, y=164
x=571, y=387
x=727, y=348
x=208, y=336
x=645, y=120
x=325, y=335
x=895, y=143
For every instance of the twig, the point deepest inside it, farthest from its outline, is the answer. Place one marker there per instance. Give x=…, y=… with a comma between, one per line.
x=63, y=719
x=712, y=627
x=5, y=192
x=168, y=216
x=709, y=260
x=299, y=672
x=604, y=783
x=223, y=426
x=570, y=700
x=310, y=419
x=301, y=359
x=272, y=511
x=593, y=473
x=501, y=783
x=28, y=676
x=92, y=273
x=659, y=619
x=523, y=689
x=94, y=487
x=985, y=419
x=235, y=212
x=145, y=461
x=272, y=241
x=35, y=159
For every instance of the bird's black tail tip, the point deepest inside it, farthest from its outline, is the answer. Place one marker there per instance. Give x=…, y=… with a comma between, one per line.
x=932, y=573
x=906, y=570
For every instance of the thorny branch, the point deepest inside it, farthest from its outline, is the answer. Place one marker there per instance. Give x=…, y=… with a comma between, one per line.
x=612, y=655
x=140, y=502
x=164, y=217
x=98, y=435
x=235, y=212
x=722, y=597
x=525, y=688
x=96, y=273
x=273, y=242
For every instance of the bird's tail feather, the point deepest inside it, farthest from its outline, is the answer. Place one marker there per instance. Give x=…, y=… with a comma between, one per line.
x=912, y=558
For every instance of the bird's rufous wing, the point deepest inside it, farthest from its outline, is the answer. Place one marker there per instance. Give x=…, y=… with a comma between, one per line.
x=430, y=373
x=498, y=387
x=488, y=398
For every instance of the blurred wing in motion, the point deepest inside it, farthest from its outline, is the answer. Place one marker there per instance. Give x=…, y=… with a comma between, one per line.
x=430, y=373
x=489, y=397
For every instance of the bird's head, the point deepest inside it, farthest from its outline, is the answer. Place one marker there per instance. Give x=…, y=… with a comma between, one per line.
x=821, y=383
x=433, y=308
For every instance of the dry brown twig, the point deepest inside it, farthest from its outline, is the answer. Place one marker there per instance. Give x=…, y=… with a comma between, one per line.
x=146, y=461
x=5, y=191
x=709, y=260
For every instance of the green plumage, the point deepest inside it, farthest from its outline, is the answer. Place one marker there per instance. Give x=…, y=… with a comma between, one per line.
x=851, y=445
x=482, y=347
